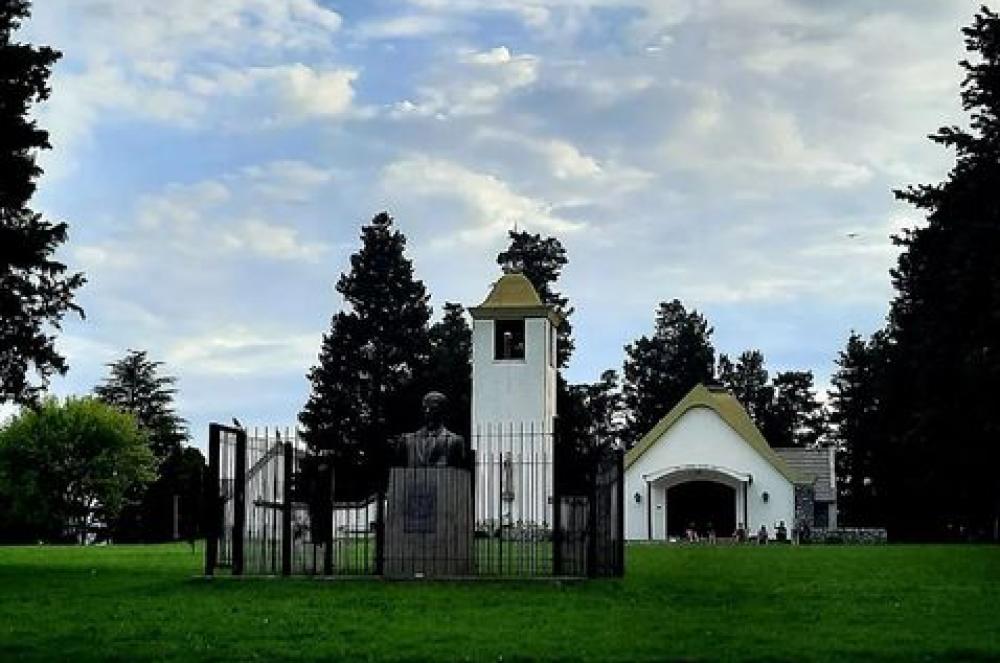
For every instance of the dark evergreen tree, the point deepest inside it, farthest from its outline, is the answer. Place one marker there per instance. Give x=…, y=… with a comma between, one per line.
x=366, y=387
x=541, y=260
x=795, y=417
x=747, y=380
x=136, y=385
x=944, y=325
x=661, y=369
x=450, y=367
x=857, y=425
x=35, y=290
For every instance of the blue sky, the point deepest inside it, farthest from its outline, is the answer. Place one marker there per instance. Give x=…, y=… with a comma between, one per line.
x=215, y=161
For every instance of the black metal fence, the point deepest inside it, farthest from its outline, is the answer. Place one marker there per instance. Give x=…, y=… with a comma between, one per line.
x=274, y=511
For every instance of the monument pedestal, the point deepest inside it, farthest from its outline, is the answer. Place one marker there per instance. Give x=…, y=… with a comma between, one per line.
x=428, y=523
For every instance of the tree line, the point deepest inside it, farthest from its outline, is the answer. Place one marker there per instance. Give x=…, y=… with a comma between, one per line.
x=910, y=410
x=381, y=353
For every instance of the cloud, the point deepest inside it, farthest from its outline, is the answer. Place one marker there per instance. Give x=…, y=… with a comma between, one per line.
x=488, y=204
x=407, y=26
x=238, y=350
x=213, y=217
x=567, y=163
x=284, y=180
x=231, y=63
x=478, y=84
x=271, y=241
x=753, y=141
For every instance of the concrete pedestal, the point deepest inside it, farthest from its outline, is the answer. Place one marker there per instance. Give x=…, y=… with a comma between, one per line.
x=428, y=522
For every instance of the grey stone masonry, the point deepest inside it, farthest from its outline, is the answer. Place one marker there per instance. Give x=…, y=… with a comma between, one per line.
x=804, y=511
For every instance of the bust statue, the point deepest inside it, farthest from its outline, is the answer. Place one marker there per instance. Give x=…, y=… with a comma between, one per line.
x=432, y=445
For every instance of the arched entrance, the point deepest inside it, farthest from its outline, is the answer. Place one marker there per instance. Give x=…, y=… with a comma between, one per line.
x=701, y=503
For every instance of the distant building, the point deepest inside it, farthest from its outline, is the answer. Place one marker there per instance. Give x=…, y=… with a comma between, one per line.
x=706, y=465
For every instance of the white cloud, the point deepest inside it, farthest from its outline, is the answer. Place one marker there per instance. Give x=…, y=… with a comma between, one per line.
x=238, y=350
x=285, y=180
x=222, y=216
x=271, y=241
x=488, y=205
x=478, y=85
x=234, y=63
x=752, y=140
x=566, y=162
x=406, y=26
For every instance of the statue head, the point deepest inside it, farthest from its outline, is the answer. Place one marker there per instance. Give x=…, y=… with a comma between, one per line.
x=433, y=406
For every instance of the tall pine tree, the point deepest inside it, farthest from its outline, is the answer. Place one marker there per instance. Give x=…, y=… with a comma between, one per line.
x=366, y=387
x=450, y=367
x=136, y=384
x=661, y=369
x=944, y=324
x=795, y=417
x=858, y=429
x=747, y=380
x=35, y=290
x=541, y=260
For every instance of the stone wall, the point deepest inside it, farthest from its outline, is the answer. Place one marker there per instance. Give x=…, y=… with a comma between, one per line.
x=804, y=510
x=854, y=535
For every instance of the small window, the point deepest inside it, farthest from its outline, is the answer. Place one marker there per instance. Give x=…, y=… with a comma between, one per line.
x=508, y=339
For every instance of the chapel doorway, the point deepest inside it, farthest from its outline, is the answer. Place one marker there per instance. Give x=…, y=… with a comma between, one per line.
x=701, y=503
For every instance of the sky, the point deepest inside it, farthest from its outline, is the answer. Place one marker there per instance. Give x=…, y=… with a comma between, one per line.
x=215, y=161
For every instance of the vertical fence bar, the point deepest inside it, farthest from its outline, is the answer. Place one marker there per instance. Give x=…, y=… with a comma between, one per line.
x=239, y=501
x=592, y=525
x=380, y=532
x=286, y=510
x=620, y=524
x=557, y=559
x=328, y=526
x=213, y=503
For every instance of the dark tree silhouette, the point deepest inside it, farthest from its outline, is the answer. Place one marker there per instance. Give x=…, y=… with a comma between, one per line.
x=661, y=369
x=747, y=380
x=366, y=386
x=541, y=260
x=795, y=417
x=136, y=385
x=857, y=425
x=450, y=367
x=944, y=325
x=35, y=290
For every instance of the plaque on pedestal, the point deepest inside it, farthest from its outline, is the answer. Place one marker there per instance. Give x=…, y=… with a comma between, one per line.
x=428, y=525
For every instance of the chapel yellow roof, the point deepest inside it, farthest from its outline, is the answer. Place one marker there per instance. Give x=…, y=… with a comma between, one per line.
x=513, y=295
x=729, y=410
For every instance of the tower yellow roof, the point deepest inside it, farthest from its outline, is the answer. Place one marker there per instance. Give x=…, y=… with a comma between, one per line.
x=513, y=295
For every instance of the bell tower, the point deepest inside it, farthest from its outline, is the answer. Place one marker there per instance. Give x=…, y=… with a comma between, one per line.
x=514, y=398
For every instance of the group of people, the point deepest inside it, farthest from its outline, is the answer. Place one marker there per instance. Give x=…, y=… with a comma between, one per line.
x=761, y=538
x=740, y=535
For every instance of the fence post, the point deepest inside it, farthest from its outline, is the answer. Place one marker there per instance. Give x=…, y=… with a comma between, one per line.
x=557, y=552
x=380, y=532
x=328, y=527
x=620, y=524
x=286, y=512
x=213, y=504
x=592, y=523
x=239, y=501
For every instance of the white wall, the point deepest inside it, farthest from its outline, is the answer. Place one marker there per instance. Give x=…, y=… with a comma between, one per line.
x=701, y=437
x=513, y=411
x=518, y=391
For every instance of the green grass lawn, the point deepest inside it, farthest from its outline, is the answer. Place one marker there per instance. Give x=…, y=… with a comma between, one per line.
x=803, y=603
